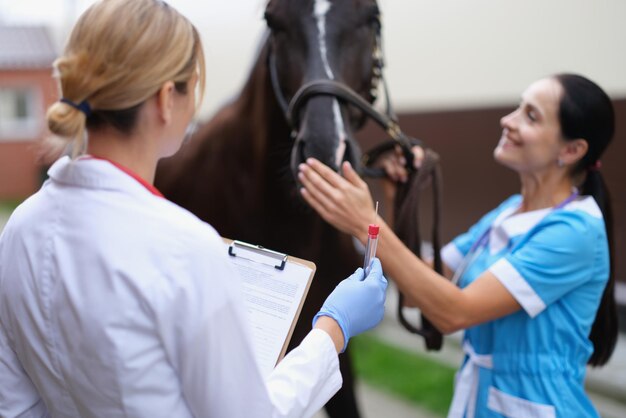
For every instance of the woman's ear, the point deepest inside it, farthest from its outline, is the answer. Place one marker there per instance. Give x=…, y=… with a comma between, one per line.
x=573, y=151
x=165, y=101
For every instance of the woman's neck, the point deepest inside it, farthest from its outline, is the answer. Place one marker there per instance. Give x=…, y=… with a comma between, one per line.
x=540, y=193
x=133, y=152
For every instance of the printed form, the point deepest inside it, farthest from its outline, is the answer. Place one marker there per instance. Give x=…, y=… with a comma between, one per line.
x=273, y=301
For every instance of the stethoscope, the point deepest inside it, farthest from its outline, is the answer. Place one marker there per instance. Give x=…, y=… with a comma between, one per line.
x=482, y=242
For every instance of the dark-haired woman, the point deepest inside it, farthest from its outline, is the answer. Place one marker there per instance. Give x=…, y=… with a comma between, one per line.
x=535, y=284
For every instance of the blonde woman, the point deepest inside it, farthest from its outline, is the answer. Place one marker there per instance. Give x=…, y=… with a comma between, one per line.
x=116, y=302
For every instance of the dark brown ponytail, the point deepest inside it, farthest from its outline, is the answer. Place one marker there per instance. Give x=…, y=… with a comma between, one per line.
x=586, y=112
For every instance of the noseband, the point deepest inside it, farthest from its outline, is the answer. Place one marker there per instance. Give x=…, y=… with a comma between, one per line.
x=406, y=205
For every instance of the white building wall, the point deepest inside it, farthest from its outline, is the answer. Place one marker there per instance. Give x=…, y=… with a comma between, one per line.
x=440, y=53
x=460, y=53
x=445, y=54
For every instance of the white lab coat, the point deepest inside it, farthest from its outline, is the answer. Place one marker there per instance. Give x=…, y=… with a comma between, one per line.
x=115, y=302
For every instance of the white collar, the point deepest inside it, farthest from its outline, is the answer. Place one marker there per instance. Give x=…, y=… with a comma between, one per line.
x=94, y=174
x=509, y=224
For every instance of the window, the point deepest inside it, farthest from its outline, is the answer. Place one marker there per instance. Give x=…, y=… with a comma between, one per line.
x=19, y=117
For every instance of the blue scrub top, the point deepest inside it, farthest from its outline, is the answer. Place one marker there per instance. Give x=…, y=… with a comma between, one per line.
x=555, y=262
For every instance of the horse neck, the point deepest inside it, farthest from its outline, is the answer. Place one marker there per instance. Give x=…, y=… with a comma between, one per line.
x=268, y=137
x=271, y=143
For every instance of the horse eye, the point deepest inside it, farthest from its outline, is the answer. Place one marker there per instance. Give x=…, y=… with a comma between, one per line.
x=374, y=22
x=373, y=17
x=273, y=23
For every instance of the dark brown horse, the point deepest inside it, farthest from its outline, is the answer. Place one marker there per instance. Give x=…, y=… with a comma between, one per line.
x=237, y=171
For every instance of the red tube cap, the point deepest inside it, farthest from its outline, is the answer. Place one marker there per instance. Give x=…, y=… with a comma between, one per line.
x=372, y=230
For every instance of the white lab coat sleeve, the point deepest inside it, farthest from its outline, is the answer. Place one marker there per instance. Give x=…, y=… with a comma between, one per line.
x=306, y=378
x=18, y=395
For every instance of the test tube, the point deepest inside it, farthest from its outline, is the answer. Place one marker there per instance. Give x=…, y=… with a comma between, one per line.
x=372, y=241
x=370, y=248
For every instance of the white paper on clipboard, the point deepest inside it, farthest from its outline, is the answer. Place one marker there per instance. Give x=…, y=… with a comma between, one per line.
x=275, y=286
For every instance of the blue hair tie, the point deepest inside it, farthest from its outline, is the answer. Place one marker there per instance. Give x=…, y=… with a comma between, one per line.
x=82, y=106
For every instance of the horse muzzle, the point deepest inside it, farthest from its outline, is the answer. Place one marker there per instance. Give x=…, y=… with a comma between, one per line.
x=317, y=137
x=299, y=155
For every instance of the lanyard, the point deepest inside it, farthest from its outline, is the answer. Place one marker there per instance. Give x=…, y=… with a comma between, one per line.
x=482, y=242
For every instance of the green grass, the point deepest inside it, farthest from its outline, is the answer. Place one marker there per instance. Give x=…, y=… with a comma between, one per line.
x=8, y=206
x=402, y=373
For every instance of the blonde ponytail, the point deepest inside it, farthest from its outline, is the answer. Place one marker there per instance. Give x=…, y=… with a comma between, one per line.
x=119, y=54
x=69, y=123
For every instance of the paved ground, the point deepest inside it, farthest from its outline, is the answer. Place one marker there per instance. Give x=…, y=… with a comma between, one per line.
x=375, y=404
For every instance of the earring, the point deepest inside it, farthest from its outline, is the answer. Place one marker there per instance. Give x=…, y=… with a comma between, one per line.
x=559, y=162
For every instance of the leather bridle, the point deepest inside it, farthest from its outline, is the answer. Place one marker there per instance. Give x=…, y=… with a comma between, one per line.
x=325, y=87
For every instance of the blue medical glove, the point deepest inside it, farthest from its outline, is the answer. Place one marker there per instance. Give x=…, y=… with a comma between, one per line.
x=357, y=305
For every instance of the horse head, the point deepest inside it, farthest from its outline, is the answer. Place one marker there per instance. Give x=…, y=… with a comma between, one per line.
x=327, y=43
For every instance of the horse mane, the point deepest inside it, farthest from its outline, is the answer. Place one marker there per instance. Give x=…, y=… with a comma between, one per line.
x=231, y=147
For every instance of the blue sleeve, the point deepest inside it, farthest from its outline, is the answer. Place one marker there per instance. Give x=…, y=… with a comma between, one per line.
x=558, y=255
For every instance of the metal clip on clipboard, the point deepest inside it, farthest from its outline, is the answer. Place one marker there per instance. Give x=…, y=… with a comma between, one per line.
x=280, y=259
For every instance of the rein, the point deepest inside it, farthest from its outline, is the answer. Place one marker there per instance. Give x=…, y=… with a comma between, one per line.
x=408, y=195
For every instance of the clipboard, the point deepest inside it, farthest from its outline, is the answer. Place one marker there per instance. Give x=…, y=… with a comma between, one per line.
x=275, y=287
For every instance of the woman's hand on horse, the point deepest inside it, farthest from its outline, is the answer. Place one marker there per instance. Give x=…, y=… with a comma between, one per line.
x=394, y=163
x=344, y=202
